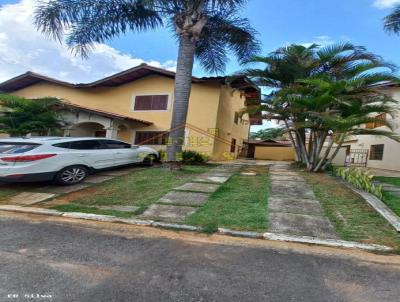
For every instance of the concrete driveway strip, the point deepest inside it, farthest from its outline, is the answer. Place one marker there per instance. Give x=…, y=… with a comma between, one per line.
x=83, y=263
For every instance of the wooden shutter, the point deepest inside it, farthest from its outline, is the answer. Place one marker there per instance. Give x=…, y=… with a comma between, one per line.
x=143, y=102
x=151, y=102
x=151, y=138
x=160, y=102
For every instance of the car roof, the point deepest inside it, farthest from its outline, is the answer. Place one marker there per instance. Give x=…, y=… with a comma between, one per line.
x=46, y=139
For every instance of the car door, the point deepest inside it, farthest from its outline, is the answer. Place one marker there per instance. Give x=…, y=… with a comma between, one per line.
x=124, y=153
x=93, y=153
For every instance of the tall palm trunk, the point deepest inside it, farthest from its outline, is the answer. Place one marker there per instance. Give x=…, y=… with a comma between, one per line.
x=183, y=84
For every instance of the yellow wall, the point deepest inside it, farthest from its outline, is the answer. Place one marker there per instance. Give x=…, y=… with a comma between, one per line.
x=274, y=153
x=230, y=102
x=211, y=106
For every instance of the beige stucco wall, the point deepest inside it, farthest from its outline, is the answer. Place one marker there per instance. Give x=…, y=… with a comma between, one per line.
x=274, y=153
x=391, y=152
x=230, y=102
x=211, y=106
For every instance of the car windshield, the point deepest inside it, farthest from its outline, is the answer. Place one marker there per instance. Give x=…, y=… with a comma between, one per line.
x=15, y=148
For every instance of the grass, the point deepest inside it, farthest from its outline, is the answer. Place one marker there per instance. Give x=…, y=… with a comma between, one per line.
x=391, y=200
x=240, y=203
x=6, y=193
x=85, y=209
x=351, y=216
x=389, y=180
x=140, y=188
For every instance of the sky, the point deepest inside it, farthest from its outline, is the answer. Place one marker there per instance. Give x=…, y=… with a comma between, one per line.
x=279, y=23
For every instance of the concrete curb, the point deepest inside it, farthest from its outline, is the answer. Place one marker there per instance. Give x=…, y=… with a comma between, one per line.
x=30, y=210
x=326, y=242
x=244, y=234
x=181, y=227
x=378, y=205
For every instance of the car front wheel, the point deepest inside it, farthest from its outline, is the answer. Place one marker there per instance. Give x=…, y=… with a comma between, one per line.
x=71, y=175
x=149, y=160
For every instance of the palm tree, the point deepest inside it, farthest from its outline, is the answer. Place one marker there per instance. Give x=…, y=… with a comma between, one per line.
x=205, y=29
x=324, y=92
x=392, y=21
x=20, y=116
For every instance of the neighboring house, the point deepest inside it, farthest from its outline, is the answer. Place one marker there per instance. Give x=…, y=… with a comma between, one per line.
x=269, y=149
x=136, y=106
x=375, y=151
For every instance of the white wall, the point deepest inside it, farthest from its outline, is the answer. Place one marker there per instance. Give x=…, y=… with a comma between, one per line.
x=391, y=152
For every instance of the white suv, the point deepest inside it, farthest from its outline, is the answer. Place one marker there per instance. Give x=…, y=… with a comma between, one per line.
x=67, y=161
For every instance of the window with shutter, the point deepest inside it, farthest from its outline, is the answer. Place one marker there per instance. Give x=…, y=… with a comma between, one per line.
x=151, y=102
x=376, y=152
x=151, y=138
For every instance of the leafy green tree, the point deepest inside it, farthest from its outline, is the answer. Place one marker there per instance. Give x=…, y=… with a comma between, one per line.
x=205, y=29
x=323, y=95
x=20, y=116
x=269, y=133
x=392, y=21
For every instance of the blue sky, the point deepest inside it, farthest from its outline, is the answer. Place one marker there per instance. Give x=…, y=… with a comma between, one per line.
x=279, y=23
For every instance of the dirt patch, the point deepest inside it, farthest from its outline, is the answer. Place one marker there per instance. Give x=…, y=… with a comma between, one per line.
x=256, y=169
x=68, y=198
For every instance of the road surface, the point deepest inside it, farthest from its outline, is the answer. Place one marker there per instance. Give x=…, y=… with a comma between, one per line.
x=55, y=260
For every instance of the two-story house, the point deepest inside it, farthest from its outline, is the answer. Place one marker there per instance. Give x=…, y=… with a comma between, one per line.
x=136, y=106
x=376, y=151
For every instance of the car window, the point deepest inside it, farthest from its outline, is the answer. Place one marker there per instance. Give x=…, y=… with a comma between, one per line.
x=111, y=144
x=15, y=148
x=81, y=145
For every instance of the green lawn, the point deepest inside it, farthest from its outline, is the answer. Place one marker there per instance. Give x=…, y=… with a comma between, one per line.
x=6, y=193
x=351, y=216
x=392, y=201
x=140, y=188
x=389, y=180
x=240, y=203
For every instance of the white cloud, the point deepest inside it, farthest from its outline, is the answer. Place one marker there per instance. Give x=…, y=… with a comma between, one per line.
x=22, y=48
x=320, y=40
x=381, y=4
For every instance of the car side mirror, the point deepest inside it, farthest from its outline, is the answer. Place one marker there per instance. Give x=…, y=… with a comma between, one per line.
x=134, y=147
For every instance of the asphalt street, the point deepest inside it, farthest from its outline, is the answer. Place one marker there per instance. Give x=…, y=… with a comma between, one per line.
x=58, y=261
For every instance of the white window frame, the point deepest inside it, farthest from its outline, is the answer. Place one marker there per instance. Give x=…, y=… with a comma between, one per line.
x=150, y=94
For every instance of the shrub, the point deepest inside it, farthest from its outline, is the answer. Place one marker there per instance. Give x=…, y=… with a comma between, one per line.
x=162, y=155
x=194, y=157
x=361, y=179
x=188, y=157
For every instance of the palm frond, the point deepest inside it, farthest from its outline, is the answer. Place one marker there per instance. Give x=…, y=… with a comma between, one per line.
x=392, y=21
x=93, y=21
x=225, y=32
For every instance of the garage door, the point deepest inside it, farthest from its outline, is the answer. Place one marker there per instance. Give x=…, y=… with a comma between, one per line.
x=274, y=153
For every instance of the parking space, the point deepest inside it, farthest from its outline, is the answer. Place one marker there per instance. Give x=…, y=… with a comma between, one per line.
x=34, y=193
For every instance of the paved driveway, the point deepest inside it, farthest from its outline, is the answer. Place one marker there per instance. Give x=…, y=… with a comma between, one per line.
x=82, y=263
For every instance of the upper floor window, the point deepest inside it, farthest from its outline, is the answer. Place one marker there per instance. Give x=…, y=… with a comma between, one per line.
x=381, y=122
x=151, y=102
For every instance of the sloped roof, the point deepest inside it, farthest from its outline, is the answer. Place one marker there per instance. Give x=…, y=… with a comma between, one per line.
x=105, y=113
x=268, y=142
x=30, y=78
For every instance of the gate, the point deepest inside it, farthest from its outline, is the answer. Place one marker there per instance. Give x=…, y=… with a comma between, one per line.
x=357, y=158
